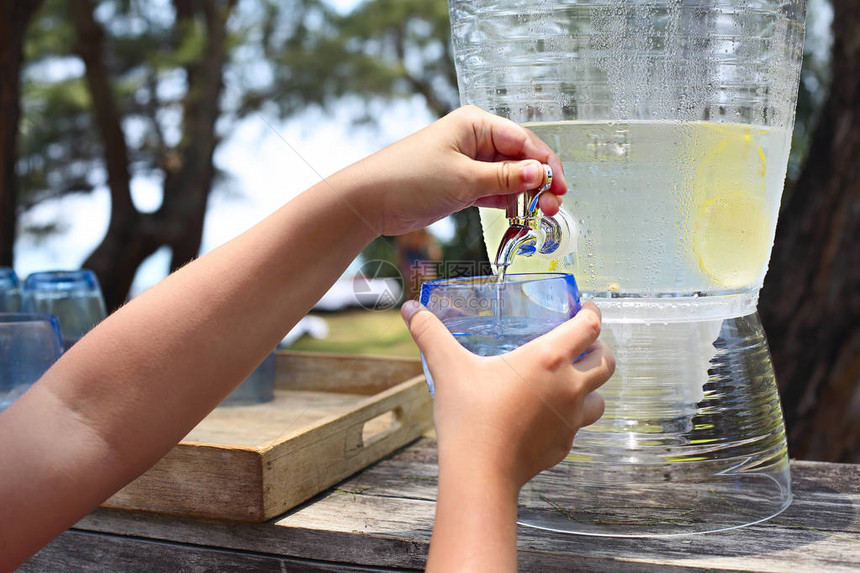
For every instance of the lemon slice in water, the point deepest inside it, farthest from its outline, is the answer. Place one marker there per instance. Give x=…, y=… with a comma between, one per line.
x=731, y=238
x=731, y=227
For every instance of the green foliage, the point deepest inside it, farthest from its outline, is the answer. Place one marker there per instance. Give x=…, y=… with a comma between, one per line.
x=815, y=80
x=58, y=151
x=50, y=35
x=148, y=53
x=383, y=49
x=814, y=83
x=189, y=49
x=55, y=143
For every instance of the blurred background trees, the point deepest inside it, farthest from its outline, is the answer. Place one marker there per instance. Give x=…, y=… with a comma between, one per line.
x=98, y=92
x=380, y=51
x=116, y=89
x=15, y=17
x=120, y=89
x=810, y=303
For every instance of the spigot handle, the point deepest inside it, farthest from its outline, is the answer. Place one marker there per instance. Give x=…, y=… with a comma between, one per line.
x=523, y=206
x=547, y=183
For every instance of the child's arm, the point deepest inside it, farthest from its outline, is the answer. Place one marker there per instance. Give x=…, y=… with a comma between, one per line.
x=499, y=421
x=142, y=379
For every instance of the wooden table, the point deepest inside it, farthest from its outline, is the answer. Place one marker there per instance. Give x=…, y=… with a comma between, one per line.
x=381, y=519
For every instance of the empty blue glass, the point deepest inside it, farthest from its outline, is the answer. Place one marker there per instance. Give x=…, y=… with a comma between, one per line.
x=10, y=290
x=29, y=344
x=74, y=297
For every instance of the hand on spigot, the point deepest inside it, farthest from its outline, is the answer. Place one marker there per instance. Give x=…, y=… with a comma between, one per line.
x=469, y=157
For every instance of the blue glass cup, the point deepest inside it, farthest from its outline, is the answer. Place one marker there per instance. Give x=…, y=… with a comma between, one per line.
x=489, y=317
x=74, y=297
x=29, y=344
x=10, y=290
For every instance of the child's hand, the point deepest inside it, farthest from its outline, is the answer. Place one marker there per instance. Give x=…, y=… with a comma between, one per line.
x=499, y=421
x=469, y=157
x=513, y=415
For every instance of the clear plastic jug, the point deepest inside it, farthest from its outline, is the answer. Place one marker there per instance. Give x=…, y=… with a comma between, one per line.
x=673, y=120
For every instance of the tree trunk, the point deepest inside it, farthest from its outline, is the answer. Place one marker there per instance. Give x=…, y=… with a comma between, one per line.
x=133, y=236
x=123, y=249
x=810, y=303
x=186, y=192
x=16, y=17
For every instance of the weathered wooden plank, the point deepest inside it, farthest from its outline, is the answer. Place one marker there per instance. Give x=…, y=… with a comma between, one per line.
x=845, y=476
x=360, y=540
x=323, y=536
x=354, y=374
x=411, y=473
x=94, y=553
x=383, y=516
x=755, y=548
x=799, y=541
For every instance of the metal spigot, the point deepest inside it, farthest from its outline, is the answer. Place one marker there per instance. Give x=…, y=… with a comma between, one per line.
x=529, y=231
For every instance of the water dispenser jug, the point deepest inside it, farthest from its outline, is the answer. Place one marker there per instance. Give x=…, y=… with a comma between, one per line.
x=673, y=120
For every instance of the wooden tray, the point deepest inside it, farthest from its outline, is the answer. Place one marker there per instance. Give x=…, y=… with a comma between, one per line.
x=332, y=415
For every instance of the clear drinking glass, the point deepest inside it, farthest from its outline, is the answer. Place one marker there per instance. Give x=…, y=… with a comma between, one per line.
x=74, y=297
x=29, y=344
x=10, y=290
x=257, y=388
x=673, y=120
x=489, y=318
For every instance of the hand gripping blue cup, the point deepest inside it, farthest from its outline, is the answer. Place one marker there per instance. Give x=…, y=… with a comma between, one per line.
x=489, y=317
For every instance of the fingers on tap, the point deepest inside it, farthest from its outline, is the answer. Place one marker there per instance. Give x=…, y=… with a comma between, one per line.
x=511, y=140
x=550, y=204
x=537, y=149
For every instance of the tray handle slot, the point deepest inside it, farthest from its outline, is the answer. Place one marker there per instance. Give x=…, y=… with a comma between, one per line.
x=374, y=430
x=381, y=426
